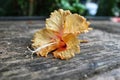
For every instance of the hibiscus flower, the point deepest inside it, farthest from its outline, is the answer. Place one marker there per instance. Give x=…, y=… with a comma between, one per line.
x=60, y=36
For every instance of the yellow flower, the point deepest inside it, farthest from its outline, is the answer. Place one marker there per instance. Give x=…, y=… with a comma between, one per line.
x=60, y=35
x=63, y=46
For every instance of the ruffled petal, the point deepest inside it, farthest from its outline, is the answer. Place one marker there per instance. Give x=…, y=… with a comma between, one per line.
x=42, y=40
x=42, y=37
x=44, y=52
x=72, y=47
x=75, y=24
x=56, y=20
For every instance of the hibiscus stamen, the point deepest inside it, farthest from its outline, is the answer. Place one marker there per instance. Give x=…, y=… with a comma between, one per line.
x=39, y=48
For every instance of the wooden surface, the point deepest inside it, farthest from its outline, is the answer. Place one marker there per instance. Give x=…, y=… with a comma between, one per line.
x=99, y=59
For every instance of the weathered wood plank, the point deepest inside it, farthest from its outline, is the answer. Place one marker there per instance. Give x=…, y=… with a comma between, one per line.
x=99, y=56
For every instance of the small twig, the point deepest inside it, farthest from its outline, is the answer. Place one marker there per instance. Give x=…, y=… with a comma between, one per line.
x=83, y=41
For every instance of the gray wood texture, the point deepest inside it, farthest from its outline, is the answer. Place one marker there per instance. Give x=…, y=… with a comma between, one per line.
x=99, y=58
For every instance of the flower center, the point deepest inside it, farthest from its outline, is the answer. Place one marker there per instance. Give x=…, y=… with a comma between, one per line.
x=61, y=45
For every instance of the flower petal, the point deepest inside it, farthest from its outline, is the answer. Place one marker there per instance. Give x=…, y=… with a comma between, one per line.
x=76, y=24
x=56, y=20
x=43, y=39
x=44, y=52
x=72, y=47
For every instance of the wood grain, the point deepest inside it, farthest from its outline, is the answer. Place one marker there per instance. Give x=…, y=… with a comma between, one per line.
x=99, y=58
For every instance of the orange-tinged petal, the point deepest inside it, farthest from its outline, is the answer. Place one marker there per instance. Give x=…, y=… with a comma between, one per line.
x=42, y=37
x=68, y=53
x=56, y=20
x=42, y=42
x=44, y=52
x=75, y=24
x=72, y=47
